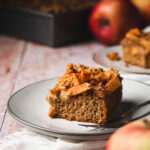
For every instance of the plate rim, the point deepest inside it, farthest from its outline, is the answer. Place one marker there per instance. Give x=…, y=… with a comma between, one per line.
x=56, y=132
x=32, y=125
x=105, y=67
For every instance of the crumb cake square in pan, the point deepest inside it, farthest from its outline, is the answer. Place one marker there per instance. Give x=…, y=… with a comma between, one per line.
x=136, y=48
x=85, y=94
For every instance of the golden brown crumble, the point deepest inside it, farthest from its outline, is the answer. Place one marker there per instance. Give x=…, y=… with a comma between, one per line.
x=113, y=56
x=55, y=6
x=140, y=38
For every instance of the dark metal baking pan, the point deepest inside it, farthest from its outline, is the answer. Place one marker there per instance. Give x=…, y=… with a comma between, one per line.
x=45, y=28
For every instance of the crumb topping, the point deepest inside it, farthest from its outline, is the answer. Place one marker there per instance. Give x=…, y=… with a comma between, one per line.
x=79, y=79
x=113, y=56
x=139, y=38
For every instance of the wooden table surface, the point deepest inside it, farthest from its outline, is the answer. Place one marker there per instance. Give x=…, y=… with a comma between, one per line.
x=22, y=63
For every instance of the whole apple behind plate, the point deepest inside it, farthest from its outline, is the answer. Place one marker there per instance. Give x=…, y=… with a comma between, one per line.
x=133, y=136
x=111, y=19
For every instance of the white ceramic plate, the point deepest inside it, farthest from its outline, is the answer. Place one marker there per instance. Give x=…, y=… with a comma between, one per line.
x=101, y=59
x=29, y=107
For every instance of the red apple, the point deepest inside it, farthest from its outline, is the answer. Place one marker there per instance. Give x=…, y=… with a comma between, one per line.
x=111, y=19
x=144, y=7
x=133, y=136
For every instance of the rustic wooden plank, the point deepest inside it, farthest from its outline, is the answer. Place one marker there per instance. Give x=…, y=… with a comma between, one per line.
x=42, y=62
x=10, y=54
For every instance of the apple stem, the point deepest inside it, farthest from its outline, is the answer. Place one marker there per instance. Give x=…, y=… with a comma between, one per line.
x=147, y=123
x=103, y=22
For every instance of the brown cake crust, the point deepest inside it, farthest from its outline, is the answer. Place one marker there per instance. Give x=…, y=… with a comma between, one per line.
x=85, y=94
x=136, y=48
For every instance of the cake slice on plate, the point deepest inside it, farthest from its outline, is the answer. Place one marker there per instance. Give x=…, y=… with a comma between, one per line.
x=136, y=48
x=85, y=94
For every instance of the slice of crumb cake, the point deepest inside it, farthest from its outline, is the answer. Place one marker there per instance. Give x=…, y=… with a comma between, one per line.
x=136, y=48
x=85, y=94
